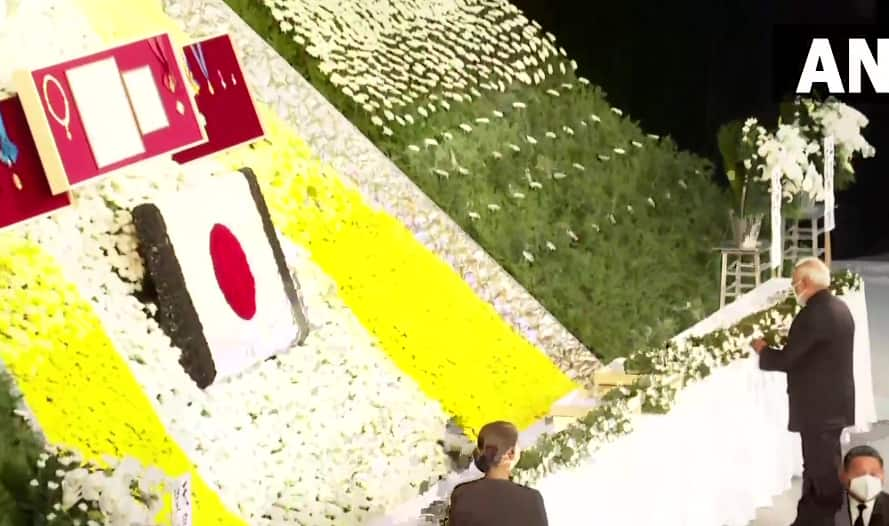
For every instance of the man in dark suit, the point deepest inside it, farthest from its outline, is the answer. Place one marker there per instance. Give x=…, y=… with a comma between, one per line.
x=866, y=504
x=820, y=386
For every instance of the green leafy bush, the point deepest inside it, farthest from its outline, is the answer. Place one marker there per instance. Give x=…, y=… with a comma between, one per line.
x=20, y=448
x=611, y=229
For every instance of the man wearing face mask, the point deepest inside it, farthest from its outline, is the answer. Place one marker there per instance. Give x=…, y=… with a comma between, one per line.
x=866, y=503
x=820, y=387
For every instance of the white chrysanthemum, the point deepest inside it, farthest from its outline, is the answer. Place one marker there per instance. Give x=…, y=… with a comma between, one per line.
x=253, y=462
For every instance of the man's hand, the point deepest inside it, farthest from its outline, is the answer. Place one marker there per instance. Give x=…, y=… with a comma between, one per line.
x=759, y=345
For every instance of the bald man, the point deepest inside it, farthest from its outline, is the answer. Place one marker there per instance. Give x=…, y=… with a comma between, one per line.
x=820, y=386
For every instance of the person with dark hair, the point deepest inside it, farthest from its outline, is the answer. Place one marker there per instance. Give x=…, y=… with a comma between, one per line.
x=495, y=500
x=866, y=503
x=818, y=360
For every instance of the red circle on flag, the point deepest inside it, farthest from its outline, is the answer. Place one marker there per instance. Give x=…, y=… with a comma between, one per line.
x=233, y=272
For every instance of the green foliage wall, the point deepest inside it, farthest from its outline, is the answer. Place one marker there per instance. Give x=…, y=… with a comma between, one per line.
x=619, y=224
x=19, y=450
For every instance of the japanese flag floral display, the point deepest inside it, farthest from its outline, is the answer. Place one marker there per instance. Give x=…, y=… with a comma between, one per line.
x=225, y=295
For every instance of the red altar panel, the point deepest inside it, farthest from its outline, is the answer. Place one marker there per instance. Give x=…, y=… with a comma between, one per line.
x=34, y=198
x=230, y=113
x=70, y=162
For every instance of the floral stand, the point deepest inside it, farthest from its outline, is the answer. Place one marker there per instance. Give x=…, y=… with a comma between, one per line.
x=741, y=270
x=803, y=231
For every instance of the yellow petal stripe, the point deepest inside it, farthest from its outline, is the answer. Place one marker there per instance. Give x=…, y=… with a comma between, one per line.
x=79, y=388
x=428, y=320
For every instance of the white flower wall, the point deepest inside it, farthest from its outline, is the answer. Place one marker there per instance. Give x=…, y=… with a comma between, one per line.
x=266, y=438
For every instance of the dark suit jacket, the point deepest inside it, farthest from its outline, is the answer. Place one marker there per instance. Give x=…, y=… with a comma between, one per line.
x=489, y=502
x=818, y=363
x=879, y=517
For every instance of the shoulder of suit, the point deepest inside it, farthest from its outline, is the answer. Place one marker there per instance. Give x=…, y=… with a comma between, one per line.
x=527, y=488
x=466, y=484
x=470, y=483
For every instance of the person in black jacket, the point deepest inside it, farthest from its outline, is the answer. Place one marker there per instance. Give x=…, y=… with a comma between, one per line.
x=820, y=387
x=866, y=504
x=495, y=500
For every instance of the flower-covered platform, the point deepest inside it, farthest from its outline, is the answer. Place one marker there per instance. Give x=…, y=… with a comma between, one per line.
x=77, y=319
x=412, y=331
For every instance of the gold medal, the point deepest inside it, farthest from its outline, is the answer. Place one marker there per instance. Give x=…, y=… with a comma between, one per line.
x=196, y=88
x=171, y=83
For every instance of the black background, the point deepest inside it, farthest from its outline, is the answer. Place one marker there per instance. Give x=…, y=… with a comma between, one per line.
x=685, y=67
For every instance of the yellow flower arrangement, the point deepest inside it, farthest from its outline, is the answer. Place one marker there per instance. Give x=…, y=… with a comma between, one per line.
x=79, y=388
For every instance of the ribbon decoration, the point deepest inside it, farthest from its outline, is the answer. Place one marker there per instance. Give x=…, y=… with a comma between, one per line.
x=198, y=53
x=776, y=252
x=830, y=221
x=9, y=152
x=168, y=79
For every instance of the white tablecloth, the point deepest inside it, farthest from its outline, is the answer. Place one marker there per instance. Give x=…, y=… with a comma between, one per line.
x=721, y=453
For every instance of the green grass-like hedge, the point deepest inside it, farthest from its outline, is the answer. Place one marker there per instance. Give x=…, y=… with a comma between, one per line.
x=20, y=447
x=620, y=225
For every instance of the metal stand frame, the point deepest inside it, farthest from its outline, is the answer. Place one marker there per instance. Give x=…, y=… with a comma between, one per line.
x=742, y=270
x=803, y=236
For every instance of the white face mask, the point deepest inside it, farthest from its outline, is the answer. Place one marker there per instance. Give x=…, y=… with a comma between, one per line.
x=799, y=300
x=866, y=488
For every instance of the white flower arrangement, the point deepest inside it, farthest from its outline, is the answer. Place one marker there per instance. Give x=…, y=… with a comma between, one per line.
x=267, y=450
x=789, y=152
x=844, y=123
x=795, y=148
x=124, y=493
x=455, y=47
x=263, y=447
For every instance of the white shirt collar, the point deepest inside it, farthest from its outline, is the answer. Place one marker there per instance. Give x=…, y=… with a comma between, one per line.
x=868, y=511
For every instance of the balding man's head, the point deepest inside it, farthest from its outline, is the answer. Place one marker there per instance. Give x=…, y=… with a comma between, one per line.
x=810, y=276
